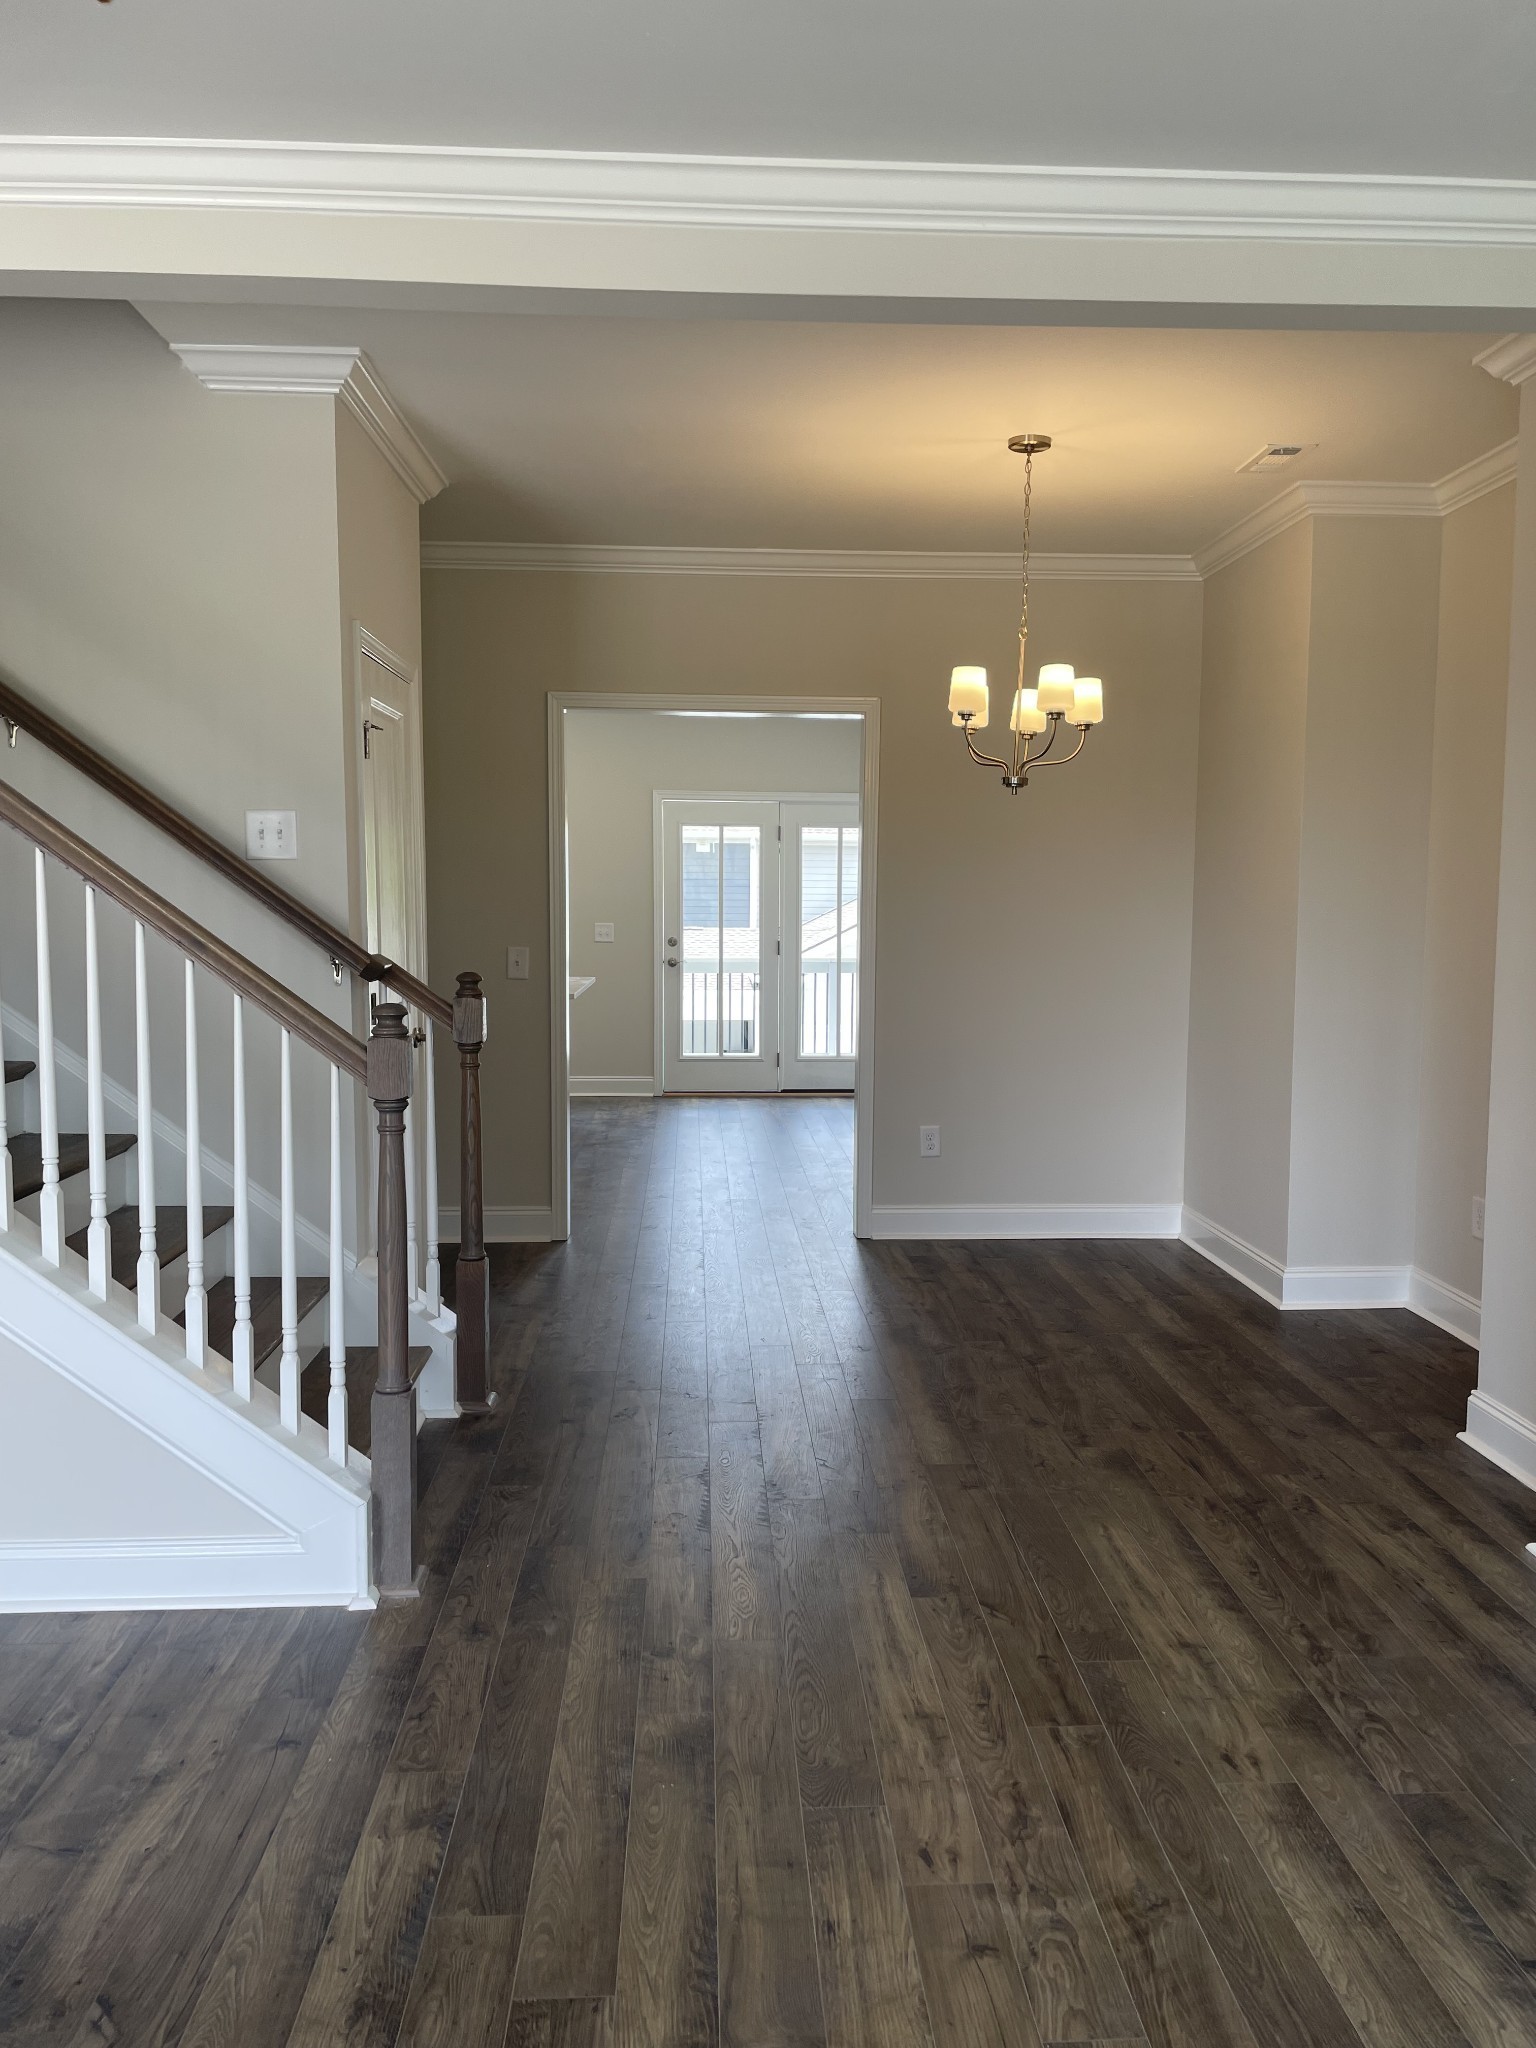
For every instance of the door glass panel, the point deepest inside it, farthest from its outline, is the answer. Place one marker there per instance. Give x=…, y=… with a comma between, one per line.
x=829, y=930
x=721, y=957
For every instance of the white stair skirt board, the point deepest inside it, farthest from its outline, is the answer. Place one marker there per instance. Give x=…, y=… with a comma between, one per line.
x=1149, y=1219
x=613, y=1084
x=503, y=1226
x=130, y=1479
x=1504, y=1438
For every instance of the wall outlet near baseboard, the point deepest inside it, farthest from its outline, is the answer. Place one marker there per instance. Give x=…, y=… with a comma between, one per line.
x=1477, y=1216
x=928, y=1140
x=517, y=963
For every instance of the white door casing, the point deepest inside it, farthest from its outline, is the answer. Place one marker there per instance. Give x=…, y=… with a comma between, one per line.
x=390, y=805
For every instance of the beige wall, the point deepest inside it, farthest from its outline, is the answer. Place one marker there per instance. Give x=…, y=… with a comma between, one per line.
x=1361, y=883
x=1462, y=898
x=1035, y=945
x=1248, y=850
x=615, y=761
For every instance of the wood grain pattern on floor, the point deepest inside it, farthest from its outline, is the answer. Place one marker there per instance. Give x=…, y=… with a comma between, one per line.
x=830, y=1645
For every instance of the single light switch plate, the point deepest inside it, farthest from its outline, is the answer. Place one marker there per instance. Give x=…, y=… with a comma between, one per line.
x=517, y=963
x=271, y=835
x=928, y=1140
x=1477, y=1216
x=603, y=934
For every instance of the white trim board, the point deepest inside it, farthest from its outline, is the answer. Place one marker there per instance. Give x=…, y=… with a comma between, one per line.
x=901, y=1222
x=527, y=557
x=343, y=373
x=503, y=1226
x=613, y=1084
x=1503, y=1437
x=1326, y=498
x=807, y=194
x=1334, y=1287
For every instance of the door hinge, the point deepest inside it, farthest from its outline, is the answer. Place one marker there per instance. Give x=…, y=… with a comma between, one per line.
x=778, y=945
x=777, y=1060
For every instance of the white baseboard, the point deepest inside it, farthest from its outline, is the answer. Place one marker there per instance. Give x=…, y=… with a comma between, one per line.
x=1234, y=1255
x=613, y=1084
x=1502, y=1437
x=1148, y=1219
x=1445, y=1306
x=1327, y=1287
x=503, y=1226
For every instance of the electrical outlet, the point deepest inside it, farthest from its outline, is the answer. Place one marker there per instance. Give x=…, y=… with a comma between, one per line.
x=517, y=963
x=271, y=835
x=1477, y=1216
x=603, y=934
x=928, y=1140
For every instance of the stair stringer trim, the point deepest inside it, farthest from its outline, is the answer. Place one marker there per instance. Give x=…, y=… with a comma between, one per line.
x=317, y=1551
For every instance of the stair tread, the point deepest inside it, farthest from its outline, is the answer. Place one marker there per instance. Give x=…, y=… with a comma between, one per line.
x=18, y=1070
x=74, y=1157
x=362, y=1372
x=170, y=1236
x=266, y=1312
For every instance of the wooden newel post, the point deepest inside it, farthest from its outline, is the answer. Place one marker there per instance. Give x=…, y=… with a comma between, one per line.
x=472, y=1288
x=393, y=1448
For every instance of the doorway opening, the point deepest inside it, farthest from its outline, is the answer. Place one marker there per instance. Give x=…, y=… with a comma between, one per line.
x=712, y=870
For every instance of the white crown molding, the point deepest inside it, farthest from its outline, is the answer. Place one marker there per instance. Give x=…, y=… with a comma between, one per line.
x=759, y=192
x=1475, y=479
x=683, y=561
x=1323, y=497
x=1513, y=359
x=343, y=373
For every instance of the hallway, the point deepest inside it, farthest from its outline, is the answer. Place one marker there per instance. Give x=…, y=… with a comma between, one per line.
x=955, y=1646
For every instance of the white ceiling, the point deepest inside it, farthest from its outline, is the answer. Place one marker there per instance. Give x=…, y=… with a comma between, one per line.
x=1403, y=86
x=781, y=434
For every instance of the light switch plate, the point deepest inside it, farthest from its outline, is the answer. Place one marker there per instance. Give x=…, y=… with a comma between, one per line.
x=271, y=835
x=603, y=934
x=517, y=963
x=1477, y=1216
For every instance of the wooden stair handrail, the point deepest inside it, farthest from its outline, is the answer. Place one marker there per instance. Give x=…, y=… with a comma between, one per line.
x=329, y=1039
x=20, y=712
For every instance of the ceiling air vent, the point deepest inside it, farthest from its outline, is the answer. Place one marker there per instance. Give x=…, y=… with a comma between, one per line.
x=1273, y=455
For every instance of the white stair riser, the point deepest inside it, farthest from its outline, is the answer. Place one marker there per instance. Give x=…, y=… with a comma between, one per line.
x=122, y=1191
x=313, y=1329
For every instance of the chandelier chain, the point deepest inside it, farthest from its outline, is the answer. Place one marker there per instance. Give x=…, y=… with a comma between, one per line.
x=1029, y=478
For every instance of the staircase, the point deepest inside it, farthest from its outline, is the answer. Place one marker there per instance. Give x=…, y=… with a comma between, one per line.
x=214, y=1399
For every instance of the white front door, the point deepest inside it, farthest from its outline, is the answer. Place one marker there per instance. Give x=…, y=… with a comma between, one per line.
x=820, y=847
x=720, y=978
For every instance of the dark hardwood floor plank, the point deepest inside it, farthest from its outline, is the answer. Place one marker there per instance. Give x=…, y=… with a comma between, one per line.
x=871, y=1984
x=975, y=1996
x=834, y=1749
x=570, y=1938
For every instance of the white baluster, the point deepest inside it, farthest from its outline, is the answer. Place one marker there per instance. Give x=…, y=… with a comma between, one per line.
x=149, y=1257
x=242, y=1343
x=288, y=1363
x=336, y=1407
x=429, y=1147
x=52, y=1197
x=98, y=1238
x=195, y=1314
x=5, y=1143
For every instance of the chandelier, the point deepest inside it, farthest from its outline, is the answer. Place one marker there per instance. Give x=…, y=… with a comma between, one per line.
x=1059, y=697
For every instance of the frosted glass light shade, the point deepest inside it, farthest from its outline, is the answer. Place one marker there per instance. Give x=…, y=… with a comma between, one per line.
x=1027, y=715
x=1056, y=686
x=1087, y=701
x=968, y=692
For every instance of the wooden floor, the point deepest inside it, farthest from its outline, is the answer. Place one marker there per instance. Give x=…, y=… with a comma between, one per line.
x=931, y=1647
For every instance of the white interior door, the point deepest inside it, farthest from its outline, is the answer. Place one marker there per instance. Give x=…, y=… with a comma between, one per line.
x=720, y=967
x=392, y=880
x=820, y=860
